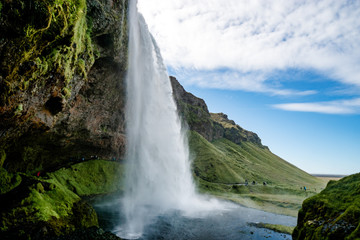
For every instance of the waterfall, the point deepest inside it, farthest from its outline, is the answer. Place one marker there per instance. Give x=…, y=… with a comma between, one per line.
x=158, y=176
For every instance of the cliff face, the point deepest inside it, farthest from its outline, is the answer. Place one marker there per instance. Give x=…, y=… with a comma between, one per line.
x=332, y=214
x=193, y=110
x=62, y=65
x=211, y=126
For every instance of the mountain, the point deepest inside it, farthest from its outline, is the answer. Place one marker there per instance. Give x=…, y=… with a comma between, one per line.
x=62, y=128
x=225, y=156
x=211, y=126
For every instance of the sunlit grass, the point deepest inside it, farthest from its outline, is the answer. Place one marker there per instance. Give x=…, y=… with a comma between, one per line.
x=221, y=168
x=275, y=227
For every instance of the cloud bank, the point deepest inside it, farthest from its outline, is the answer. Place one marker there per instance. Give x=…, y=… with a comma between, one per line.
x=253, y=39
x=331, y=107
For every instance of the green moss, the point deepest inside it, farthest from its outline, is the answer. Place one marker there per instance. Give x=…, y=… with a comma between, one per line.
x=46, y=202
x=333, y=213
x=2, y=157
x=91, y=177
x=31, y=156
x=8, y=181
x=55, y=200
x=275, y=227
x=57, y=42
x=19, y=109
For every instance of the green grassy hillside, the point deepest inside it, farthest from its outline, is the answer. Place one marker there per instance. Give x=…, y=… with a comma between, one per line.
x=221, y=168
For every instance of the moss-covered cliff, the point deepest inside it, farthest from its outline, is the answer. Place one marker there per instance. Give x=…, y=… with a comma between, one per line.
x=332, y=214
x=62, y=65
x=61, y=70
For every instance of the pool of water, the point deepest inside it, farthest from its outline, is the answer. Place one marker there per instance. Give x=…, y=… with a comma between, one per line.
x=231, y=222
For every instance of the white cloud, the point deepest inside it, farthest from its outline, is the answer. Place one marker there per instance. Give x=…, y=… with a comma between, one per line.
x=258, y=37
x=331, y=107
x=234, y=80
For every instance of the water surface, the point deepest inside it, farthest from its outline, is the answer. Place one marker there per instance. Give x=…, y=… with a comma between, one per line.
x=231, y=222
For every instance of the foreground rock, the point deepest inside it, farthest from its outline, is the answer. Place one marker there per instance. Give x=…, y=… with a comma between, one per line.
x=62, y=65
x=332, y=214
x=51, y=205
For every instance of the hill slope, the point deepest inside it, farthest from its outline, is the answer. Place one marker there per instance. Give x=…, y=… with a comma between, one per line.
x=223, y=161
x=225, y=156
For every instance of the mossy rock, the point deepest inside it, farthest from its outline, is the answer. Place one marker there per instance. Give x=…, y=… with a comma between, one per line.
x=43, y=202
x=51, y=205
x=45, y=39
x=91, y=177
x=8, y=181
x=2, y=157
x=332, y=214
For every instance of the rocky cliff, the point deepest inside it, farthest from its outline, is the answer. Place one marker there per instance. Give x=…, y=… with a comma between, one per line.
x=211, y=126
x=61, y=76
x=62, y=67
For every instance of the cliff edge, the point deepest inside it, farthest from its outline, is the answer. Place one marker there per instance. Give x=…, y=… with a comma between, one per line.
x=211, y=126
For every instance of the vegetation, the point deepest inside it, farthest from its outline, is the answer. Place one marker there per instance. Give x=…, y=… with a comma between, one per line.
x=8, y=181
x=91, y=177
x=332, y=214
x=46, y=52
x=55, y=40
x=275, y=227
x=54, y=202
x=222, y=167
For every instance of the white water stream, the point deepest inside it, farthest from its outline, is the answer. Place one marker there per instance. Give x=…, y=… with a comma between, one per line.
x=158, y=176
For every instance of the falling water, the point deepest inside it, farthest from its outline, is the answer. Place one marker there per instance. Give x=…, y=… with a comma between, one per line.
x=158, y=176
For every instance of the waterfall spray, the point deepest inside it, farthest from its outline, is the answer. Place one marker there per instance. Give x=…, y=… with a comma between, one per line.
x=158, y=176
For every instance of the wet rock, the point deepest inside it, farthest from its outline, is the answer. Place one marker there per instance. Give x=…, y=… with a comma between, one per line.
x=66, y=99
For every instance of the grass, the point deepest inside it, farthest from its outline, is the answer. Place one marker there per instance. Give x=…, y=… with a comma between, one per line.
x=91, y=177
x=55, y=199
x=221, y=168
x=275, y=227
x=332, y=214
x=220, y=119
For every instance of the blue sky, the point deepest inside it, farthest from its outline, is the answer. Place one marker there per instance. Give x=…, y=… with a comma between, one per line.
x=287, y=70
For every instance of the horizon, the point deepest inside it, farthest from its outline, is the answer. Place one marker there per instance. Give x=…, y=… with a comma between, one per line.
x=286, y=70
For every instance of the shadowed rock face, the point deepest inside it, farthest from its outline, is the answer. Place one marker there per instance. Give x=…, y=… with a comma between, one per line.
x=62, y=93
x=211, y=126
